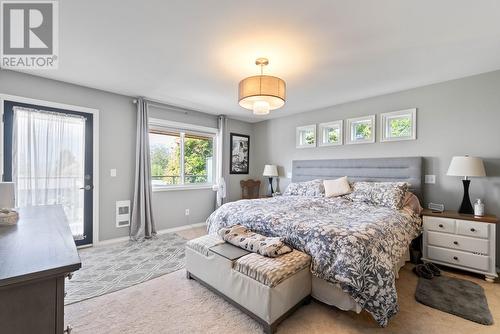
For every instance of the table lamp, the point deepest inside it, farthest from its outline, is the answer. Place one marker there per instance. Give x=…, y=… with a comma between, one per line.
x=270, y=171
x=466, y=166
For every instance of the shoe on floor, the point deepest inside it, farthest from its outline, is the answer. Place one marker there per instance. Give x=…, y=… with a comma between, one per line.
x=422, y=271
x=433, y=269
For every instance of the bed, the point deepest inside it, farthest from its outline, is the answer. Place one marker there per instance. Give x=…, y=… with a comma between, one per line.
x=356, y=248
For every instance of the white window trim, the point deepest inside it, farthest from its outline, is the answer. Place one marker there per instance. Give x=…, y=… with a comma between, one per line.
x=321, y=129
x=299, y=129
x=182, y=128
x=360, y=141
x=384, y=117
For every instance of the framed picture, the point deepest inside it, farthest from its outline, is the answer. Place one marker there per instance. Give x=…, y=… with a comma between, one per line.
x=240, y=153
x=361, y=130
x=330, y=133
x=305, y=136
x=398, y=125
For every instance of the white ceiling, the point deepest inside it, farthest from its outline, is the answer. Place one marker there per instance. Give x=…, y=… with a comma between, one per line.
x=193, y=53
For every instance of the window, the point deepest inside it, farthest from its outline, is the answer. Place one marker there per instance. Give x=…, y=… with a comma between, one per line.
x=306, y=136
x=361, y=130
x=399, y=125
x=181, y=158
x=330, y=133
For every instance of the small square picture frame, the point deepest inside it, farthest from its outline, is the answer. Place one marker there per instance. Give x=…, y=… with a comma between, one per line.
x=305, y=136
x=356, y=130
x=331, y=133
x=398, y=125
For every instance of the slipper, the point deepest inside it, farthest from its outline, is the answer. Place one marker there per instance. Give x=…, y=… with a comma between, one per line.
x=433, y=269
x=422, y=271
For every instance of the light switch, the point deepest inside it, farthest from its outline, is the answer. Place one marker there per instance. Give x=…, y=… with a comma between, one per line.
x=112, y=172
x=289, y=175
x=430, y=179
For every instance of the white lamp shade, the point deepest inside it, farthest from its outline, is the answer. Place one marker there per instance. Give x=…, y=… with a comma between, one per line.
x=466, y=166
x=270, y=170
x=7, y=197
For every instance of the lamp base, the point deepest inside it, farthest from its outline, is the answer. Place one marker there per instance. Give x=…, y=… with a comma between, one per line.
x=466, y=206
x=270, y=190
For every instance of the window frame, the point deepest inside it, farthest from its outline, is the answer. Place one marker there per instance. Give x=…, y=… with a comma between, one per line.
x=159, y=125
x=349, y=130
x=333, y=124
x=298, y=135
x=410, y=114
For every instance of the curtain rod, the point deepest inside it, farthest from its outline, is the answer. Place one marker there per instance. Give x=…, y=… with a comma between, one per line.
x=165, y=106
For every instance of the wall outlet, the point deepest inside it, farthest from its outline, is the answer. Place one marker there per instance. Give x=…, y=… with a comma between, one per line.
x=430, y=179
x=112, y=172
x=289, y=175
x=187, y=212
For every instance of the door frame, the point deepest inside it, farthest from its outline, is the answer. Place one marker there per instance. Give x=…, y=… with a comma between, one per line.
x=95, y=113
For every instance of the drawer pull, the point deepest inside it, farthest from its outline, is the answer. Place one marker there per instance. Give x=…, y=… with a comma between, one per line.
x=455, y=242
x=441, y=225
x=455, y=258
x=473, y=229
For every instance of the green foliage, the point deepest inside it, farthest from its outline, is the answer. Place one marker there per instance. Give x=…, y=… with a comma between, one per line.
x=309, y=137
x=400, y=127
x=333, y=135
x=166, y=164
x=196, y=153
x=362, y=131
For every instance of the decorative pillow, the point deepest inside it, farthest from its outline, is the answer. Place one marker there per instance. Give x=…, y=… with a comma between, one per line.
x=412, y=203
x=312, y=188
x=244, y=238
x=388, y=194
x=338, y=187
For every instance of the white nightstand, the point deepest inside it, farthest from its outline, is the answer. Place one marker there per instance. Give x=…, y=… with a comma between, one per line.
x=460, y=241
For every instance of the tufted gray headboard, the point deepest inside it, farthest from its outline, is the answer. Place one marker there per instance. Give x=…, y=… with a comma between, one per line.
x=404, y=169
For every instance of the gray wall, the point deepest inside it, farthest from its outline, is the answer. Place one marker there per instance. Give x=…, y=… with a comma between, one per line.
x=453, y=118
x=233, y=186
x=117, y=117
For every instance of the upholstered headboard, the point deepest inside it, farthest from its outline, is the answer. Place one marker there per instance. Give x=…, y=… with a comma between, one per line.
x=404, y=169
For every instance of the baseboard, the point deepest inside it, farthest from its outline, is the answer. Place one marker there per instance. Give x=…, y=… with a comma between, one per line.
x=164, y=231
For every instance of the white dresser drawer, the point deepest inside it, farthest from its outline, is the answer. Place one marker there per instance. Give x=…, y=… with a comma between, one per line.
x=439, y=224
x=474, y=229
x=458, y=242
x=458, y=258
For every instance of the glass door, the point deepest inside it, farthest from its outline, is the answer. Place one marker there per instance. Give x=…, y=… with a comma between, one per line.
x=48, y=155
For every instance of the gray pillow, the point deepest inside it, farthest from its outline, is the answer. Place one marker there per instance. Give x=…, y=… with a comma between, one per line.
x=387, y=194
x=314, y=188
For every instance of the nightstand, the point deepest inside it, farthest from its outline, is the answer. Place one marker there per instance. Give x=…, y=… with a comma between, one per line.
x=460, y=241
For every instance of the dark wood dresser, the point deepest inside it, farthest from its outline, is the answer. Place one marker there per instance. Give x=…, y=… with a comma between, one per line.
x=35, y=257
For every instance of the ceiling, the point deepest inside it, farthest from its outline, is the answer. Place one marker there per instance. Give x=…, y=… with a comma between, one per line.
x=193, y=53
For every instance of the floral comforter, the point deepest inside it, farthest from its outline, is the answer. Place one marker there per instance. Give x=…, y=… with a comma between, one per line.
x=353, y=244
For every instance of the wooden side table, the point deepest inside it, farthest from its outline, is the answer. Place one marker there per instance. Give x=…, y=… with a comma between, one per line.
x=460, y=241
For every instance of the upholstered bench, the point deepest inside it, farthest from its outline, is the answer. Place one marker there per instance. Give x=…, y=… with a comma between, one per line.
x=267, y=289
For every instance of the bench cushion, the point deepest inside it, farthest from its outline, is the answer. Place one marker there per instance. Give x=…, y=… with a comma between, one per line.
x=202, y=244
x=272, y=271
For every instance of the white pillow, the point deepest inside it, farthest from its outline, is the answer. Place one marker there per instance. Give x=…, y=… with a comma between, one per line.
x=338, y=187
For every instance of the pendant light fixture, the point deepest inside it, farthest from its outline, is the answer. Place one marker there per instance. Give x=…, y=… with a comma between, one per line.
x=262, y=93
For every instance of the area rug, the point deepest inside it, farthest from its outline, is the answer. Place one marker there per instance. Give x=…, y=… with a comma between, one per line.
x=455, y=296
x=117, y=266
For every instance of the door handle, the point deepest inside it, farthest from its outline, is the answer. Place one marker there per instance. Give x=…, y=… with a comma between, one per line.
x=87, y=187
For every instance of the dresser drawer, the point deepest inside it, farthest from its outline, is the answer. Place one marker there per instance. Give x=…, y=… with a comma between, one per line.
x=439, y=224
x=458, y=242
x=474, y=229
x=479, y=262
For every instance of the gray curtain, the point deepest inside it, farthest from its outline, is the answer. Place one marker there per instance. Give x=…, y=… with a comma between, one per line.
x=142, y=223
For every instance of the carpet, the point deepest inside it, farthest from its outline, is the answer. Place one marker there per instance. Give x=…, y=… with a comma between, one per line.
x=173, y=304
x=462, y=298
x=117, y=266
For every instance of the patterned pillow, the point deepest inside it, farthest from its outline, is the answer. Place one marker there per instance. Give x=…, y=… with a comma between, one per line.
x=314, y=188
x=388, y=194
x=244, y=238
